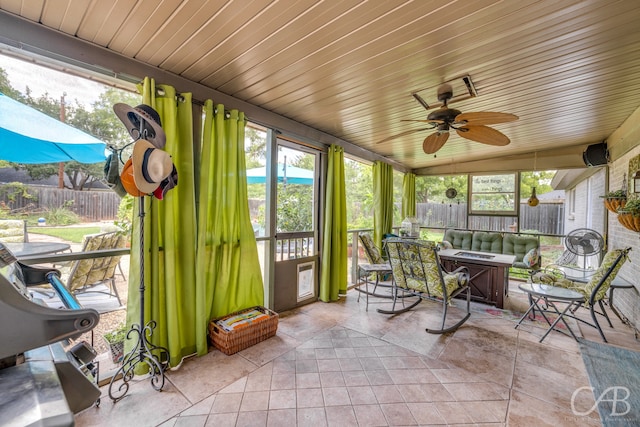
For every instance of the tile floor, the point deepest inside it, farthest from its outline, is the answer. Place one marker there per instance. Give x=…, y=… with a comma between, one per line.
x=340, y=365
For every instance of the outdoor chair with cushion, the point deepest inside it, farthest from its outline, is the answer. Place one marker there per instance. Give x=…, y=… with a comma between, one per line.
x=594, y=291
x=373, y=254
x=85, y=274
x=417, y=272
x=13, y=230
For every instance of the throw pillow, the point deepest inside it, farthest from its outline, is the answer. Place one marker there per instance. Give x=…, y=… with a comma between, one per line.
x=445, y=244
x=531, y=258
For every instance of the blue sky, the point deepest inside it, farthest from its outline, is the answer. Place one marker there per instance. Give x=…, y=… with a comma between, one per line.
x=41, y=79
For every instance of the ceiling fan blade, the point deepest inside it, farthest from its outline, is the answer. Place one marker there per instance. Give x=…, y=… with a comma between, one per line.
x=485, y=118
x=434, y=142
x=484, y=135
x=407, y=132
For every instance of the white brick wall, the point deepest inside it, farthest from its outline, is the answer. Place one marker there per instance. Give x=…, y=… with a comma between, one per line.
x=626, y=301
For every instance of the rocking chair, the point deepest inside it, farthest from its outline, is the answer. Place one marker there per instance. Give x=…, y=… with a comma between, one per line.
x=417, y=271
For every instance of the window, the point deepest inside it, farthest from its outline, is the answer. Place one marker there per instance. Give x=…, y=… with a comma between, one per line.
x=493, y=194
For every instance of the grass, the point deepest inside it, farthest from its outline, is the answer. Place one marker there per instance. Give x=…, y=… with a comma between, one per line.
x=71, y=234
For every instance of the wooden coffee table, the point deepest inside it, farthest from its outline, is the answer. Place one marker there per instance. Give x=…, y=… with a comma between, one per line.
x=489, y=273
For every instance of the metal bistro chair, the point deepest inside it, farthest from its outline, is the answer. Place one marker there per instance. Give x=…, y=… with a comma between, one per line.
x=417, y=271
x=373, y=254
x=594, y=291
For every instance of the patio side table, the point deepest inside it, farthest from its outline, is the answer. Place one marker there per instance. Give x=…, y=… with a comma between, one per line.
x=550, y=295
x=365, y=271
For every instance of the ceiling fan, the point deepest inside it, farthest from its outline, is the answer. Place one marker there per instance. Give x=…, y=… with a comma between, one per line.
x=468, y=125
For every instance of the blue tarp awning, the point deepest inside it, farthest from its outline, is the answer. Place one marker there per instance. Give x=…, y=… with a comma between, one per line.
x=286, y=174
x=29, y=136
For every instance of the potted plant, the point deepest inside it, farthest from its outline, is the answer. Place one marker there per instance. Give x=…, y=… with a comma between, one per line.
x=115, y=342
x=614, y=200
x=629, y=215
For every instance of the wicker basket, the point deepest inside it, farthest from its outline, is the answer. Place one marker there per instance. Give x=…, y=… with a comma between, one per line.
x=629, y=221
x=230, y=342
x=613, y=204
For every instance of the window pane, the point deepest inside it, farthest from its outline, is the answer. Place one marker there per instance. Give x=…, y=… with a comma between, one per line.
x=493, y=194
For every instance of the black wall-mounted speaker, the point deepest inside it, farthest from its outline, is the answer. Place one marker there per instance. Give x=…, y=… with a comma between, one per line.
x=596, y=155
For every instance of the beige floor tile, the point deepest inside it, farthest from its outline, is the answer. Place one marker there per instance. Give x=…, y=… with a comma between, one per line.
x=331, y=379
x=255, y=401
x=309, y=398
x=338, y=364
x=387, y=393
x=200, y=377
x=308, y=380
x=281, y=417
x=343, y=416
x=526, y=410
x=398, y=414
x=282, y=399
x=451, y=413
x=335, y=396
x=426, y=413
x=315, y=417
x=222, y=420
x=226, y=403
x=362, y=395
x=369, y=415
x=283, y=382
x=252, y=419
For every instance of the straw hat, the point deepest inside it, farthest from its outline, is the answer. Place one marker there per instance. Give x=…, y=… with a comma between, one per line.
x=150, y=166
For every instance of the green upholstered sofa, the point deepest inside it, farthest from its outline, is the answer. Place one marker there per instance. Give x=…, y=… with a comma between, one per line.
x=525, y=248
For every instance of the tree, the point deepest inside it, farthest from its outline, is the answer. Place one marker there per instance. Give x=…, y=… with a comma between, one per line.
x=541, y=180
x=432, y=189
x=99, y=121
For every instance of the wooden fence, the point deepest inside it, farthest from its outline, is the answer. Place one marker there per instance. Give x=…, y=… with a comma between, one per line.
x=94, y=205
x=546, y=218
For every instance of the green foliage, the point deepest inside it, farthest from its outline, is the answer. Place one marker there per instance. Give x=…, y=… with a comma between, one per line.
x=432, y=189
x=295, y=203
x=14, y=189
x=541, y=180
x=632, y=207
x=617, y=194
x=124, y=220
x=117, y=335
x=61, y=216
x=359, y=194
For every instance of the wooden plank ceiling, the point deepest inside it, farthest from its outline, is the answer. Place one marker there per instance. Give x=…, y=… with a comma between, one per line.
x=569, y=69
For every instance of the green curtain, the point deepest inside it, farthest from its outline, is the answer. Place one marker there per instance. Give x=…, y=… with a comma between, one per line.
x=382, y=201
x=334, y=242
x=229, y=277
x=169, y=236
x=408, y=195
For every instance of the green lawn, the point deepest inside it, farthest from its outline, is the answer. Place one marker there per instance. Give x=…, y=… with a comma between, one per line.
x=71, y=234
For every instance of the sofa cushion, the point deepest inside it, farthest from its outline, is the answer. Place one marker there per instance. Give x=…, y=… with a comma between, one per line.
x=459, y=239
x=513, y=244
x=484, y=241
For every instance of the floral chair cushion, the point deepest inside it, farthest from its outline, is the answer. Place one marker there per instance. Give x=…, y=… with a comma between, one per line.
x=415, y=266
x=586, y=289
x=371, y=250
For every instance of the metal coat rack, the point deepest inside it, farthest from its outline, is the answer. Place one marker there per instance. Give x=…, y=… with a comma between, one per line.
x=144, y=352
